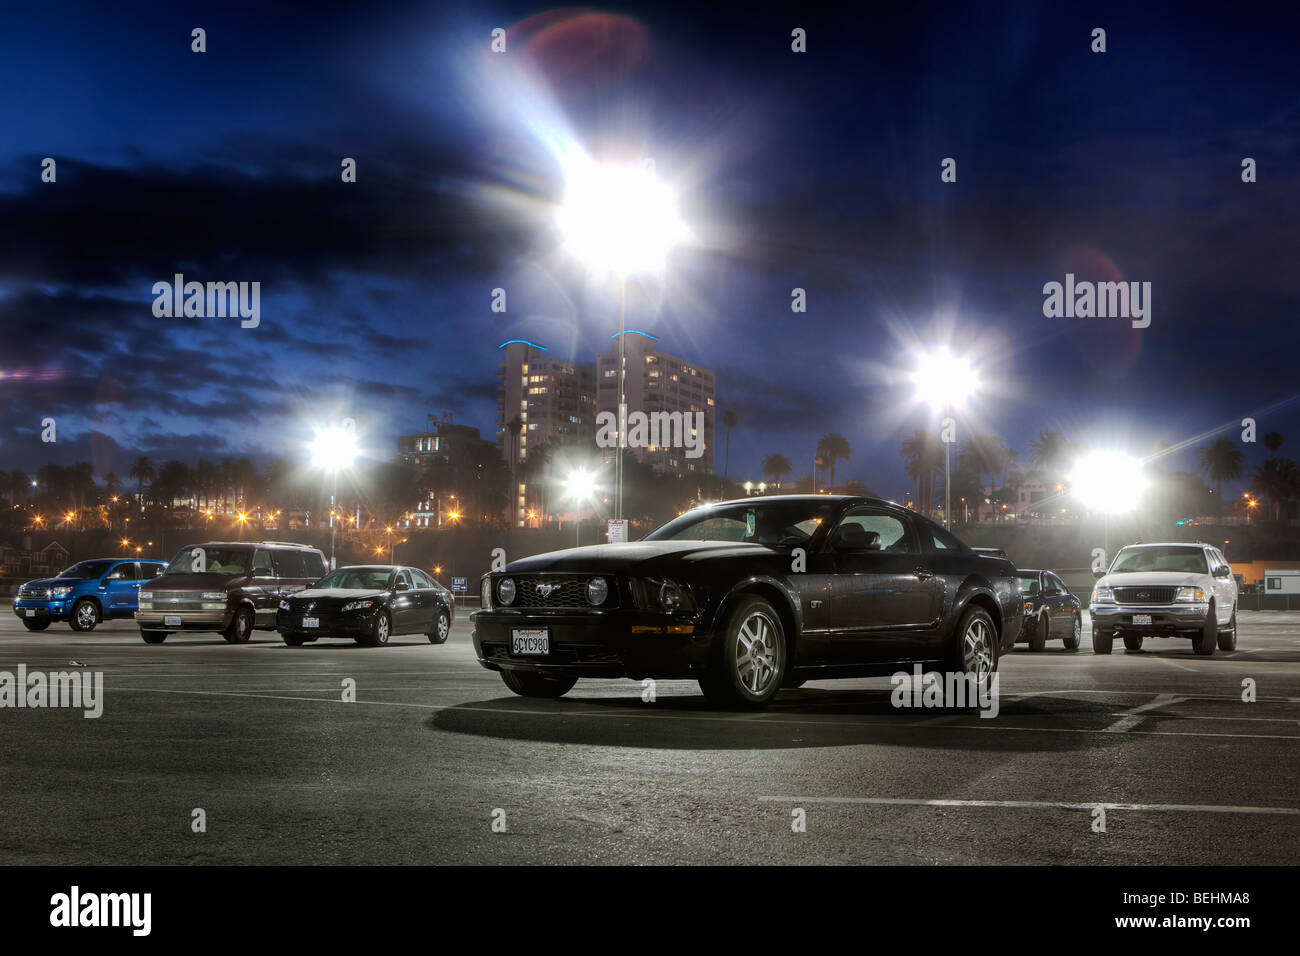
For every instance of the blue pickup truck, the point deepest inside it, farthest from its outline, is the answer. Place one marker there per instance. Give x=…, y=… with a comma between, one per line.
x=86, y=593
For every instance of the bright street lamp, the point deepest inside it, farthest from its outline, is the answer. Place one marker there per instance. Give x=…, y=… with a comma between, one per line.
x=580, y=486
x=619, y=221
x=333, y=449
x=944, y=382
x=1109, y=482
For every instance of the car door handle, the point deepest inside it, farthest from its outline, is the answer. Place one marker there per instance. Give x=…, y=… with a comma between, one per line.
x=922, y=574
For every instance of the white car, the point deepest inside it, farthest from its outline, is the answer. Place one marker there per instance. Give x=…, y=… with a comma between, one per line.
x=1166, y=590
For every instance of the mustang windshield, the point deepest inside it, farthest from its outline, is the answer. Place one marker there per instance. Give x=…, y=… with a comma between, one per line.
x=355, y=579
x=785, y=524
x=1173, y=558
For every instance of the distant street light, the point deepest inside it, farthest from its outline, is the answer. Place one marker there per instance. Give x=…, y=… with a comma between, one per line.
x=332, y=450
x=945, y=382
x=580, y=486
x=1109, y=482
x=620, y=221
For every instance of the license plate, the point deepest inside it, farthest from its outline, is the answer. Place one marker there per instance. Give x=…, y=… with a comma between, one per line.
x=1141, y=618
x=31, y=612
x=171, y=620
x=311, y=622
x=530, y=641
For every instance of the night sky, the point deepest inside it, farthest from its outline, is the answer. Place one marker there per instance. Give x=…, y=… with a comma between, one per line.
x=818, y=170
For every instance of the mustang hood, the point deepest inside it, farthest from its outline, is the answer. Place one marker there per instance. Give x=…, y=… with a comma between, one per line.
x=617, y=557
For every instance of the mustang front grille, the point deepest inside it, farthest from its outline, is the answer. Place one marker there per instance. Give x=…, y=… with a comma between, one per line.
x=558, y=591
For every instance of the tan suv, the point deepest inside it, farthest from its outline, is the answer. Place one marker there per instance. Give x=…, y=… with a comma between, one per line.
x=231, y=587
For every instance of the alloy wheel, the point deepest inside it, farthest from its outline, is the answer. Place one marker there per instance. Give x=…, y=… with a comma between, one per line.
x=757, y=662
x=977, y=650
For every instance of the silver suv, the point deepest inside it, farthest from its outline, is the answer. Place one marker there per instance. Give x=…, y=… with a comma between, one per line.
x=1166, y=590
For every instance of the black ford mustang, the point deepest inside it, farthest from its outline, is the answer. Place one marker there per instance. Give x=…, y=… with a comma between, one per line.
x=369, y=604
x=751, y=595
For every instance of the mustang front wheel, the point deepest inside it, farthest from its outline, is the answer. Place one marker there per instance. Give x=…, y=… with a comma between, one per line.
x=526, y=684
x=750, y=660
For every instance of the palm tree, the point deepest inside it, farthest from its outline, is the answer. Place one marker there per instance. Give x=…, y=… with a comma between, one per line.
x=1273, y=441
x=730, y=420
x=1220, y=461
x=776, y=466
x=1052, y=452
x=830, y=449
x=924, y=454
x=1277, y=479
x=142, y=470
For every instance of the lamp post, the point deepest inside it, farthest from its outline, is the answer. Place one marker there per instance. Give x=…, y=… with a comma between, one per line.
x=334, y=448
x=944, y=382
x=580, y=486
x=619, y=221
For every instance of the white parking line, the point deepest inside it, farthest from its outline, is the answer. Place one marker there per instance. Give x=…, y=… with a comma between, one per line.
x=1132, y=717
x=1041, y=805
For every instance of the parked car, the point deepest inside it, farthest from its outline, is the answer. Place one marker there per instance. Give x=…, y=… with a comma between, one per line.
x=86, y=593
x=369, y=604
x=1051, y=611
x=751, y=595
x=1166, y=590
x=231, y=587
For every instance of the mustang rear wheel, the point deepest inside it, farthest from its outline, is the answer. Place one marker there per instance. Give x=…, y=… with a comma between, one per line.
x=975, y=649
x=749, y=662
x=526, y=684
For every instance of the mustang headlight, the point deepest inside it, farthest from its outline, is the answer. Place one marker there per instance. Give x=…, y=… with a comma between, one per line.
x=597, y=591
x=61, y=592
x=356, y=606
x=1103, y=594
x=1190, y=595
x=506, y=590
x=661, y=594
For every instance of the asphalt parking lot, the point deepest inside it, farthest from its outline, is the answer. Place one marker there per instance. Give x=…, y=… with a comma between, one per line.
x=434, y=750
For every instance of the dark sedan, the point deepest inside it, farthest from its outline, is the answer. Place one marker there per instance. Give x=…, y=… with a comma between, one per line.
x=751, y=595
x=1051, y=611
x=369, y=604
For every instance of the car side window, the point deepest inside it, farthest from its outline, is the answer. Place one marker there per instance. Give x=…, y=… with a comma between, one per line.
x=422, y=580
x=404, y=577
x=123, y=572
x=1054, y=582
x=289, y=564
x=890, y=531
x=262, y=566
x=313, y=564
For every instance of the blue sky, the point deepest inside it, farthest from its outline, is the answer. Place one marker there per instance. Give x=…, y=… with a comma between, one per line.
x=816, y=170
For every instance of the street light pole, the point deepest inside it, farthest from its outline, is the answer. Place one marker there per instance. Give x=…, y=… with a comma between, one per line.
x=334, y=490
x=947, y=475
x=622, y=397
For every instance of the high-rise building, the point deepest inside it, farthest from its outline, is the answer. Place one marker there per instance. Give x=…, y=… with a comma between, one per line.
x=655, y=383
x=542, y=398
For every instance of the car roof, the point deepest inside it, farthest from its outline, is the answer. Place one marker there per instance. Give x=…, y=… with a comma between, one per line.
x=253, y=544
x=754, y=499
x=372, y=567
x=1168, y=544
